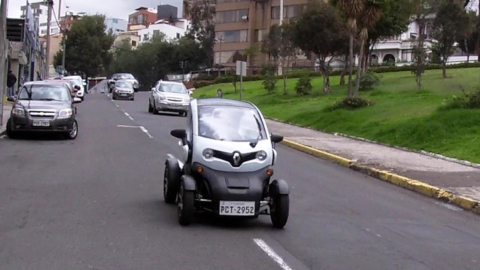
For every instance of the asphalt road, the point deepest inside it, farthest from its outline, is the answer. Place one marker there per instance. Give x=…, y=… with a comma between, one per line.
x=96, y=203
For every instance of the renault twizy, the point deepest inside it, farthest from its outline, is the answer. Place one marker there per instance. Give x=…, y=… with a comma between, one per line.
x=226, y=164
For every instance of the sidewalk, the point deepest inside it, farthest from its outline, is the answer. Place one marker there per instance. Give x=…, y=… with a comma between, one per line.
x=453, y=177
x=7, y=107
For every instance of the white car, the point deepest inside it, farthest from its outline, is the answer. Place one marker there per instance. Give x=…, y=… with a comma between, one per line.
x=78, y=81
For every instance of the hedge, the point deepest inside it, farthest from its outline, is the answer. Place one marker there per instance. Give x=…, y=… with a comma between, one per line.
x=299, y=74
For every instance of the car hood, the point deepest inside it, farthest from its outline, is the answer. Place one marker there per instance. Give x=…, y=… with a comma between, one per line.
x=43, y=105
x=176, y=95
x=131, y=80
x=124, y=89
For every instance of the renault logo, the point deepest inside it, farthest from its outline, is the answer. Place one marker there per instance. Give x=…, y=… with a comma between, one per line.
x=236, y=158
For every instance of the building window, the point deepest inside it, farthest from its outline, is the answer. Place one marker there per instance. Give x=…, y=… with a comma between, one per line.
x=54, y=31
x=225, y=57
x=288, y=11
x=259, y=34
x=231, y=16
x=131, y=20
x=156, y=33
x=134, y=43
x=230, y=1
x=178, y=35
x=140, y=19
x=232, y=36
x=145, y=37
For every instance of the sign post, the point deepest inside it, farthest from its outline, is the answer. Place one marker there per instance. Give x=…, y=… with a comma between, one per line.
x=241, y=71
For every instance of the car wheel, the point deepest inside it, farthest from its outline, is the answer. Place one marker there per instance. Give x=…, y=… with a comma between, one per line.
x=72, y=135
x=171, y=181
x=155, y=111
x=185, y=204
x=279, y=210
x=82, y=98
x=150, y=109
x=10, y=133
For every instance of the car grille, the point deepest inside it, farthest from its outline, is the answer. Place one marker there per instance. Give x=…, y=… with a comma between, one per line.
x=124, y=92
x=46, y=114
x=175, y=99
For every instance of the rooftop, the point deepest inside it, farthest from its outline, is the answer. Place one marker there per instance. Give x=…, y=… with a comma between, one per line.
x=151, y=10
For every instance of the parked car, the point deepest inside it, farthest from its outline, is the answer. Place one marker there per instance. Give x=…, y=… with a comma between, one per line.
x=77, y=81
x=123, y=90
x=123, y=76
x=169, y=96
x=73, y=88
x=43, y=106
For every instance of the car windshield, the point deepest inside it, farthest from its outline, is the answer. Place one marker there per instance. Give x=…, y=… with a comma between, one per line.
x=234, y=124
x=125, y=76
x=123, y=85
x=172, y=88
x=46, y=92
x=75, y=81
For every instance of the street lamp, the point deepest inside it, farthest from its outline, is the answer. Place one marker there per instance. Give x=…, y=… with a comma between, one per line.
x=220, y=41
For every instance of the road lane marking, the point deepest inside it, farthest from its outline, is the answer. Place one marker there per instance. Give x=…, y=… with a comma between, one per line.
x=128, y=115
x=272, y=254
x=146, y=131
x=125, y=126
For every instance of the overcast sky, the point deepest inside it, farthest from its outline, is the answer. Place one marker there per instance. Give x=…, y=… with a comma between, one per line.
x=115, y=8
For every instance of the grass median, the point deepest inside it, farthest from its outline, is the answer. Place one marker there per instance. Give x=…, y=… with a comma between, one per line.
x=401, y=115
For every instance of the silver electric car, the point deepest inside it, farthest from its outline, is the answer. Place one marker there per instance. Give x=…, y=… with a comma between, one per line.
x=226, y=164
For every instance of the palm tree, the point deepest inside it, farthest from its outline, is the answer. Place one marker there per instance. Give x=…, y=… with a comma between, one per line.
x=351, y=9
x=367, y=18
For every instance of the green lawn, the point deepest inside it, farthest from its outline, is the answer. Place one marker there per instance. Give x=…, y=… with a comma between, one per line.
x=402, y=115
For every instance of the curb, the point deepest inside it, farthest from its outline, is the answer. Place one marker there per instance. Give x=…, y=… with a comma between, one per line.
x=401, y=181
x=421, y=152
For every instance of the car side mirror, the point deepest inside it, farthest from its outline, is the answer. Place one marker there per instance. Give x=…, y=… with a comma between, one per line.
x=179, y=133
x=276, y=138
x=153, y=89
x=11, y=99
x=76, y=100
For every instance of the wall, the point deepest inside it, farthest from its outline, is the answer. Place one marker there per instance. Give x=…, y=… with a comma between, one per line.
x=116, y=25
x=170, y=31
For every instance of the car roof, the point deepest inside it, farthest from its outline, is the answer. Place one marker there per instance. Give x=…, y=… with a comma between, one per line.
x=224, y=102
x=46, y=82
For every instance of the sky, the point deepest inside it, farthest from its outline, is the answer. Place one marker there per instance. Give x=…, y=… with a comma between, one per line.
x=115, y=8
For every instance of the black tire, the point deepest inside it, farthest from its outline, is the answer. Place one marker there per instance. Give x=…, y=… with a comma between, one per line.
x=10, y=133
x=82, y=98
x=279, y=210
x=150, y=108
x=155, y=111
x=72, y=135
x=171, y=181
x=186, y=206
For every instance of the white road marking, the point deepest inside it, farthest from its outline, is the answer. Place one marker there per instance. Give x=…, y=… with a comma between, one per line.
x=124, y=126
x=271, y=253
x=146, y=131
x=128, y=115
x=118, y=106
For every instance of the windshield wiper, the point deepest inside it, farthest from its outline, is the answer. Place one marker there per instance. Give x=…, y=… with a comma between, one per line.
x=48, y=99
x=259, y=125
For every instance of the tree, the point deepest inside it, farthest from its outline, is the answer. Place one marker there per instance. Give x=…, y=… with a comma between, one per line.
x=202, y=14
x=468, y=42
x=326, y=40
x=251, y=53
x=87, y=46
x=451, y=23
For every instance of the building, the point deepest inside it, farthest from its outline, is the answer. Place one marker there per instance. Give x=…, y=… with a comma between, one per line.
x=141, y=18
x=40, y=11
x=131, y=36
x=171, y=30
x=55, y=46
x=239, y=24
x=69, y=18
x=115, y=25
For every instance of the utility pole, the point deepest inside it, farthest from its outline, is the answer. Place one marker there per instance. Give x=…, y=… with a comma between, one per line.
x=280, y=67
x=49, y=20
x=3, y=54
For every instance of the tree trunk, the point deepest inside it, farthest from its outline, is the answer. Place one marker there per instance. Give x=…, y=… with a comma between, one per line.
x=467, y=50
x=326, y=82
x=344, y=71
x=350, y=65
x=359, y=69
x=444, y=69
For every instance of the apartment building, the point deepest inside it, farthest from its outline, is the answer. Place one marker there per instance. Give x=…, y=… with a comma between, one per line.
x=141, y=18
x=240, y=24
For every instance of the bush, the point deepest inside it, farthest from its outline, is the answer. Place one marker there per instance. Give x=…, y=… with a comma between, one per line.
x=467, y=101
x=312, y=74
x=303, y=86
x=352, y=103
x=369, y=80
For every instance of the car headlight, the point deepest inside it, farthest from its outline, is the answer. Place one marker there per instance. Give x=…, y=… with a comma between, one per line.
x=18, y=111
x=65, y=113
x=161, y=97
x=116, y=90
x=261, y=155
x=207, y=153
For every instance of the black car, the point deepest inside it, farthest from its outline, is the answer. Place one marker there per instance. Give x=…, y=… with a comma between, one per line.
x=125, y=77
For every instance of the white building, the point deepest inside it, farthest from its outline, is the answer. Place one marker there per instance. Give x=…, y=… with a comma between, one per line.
x=40, y=10
x=171, y=31
x=116, y=25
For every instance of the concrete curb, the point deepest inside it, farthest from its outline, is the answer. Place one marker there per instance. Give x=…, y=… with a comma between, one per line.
x=422, y=152
x=401, y=181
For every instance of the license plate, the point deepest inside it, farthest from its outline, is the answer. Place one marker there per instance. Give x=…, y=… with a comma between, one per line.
x=40, y=123
x=123, y=94
x=228, y=208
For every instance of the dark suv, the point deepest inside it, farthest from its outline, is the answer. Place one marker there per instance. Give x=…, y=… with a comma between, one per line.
x=43, y=107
